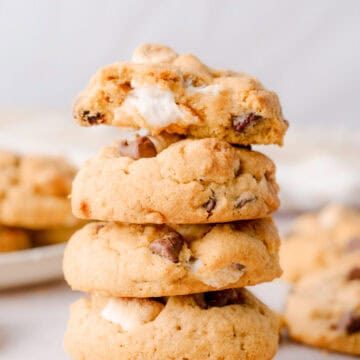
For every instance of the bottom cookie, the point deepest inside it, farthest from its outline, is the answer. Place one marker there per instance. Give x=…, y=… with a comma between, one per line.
x=323, y=310
x=227, y=324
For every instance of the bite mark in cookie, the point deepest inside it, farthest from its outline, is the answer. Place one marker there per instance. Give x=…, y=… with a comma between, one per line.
x=170, y=93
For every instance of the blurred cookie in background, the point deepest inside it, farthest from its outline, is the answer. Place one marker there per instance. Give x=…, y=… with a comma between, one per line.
x=323, y=309
x=13, y=239
x=320, y=239
x=34, y=201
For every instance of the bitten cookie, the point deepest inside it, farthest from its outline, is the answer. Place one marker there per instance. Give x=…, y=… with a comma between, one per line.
x=166, y=92
x=34, y=191
x=124, y=260
x=229, y=324
x=13, y=240
x=324, y=308
x=190, y=181
x=319, y=240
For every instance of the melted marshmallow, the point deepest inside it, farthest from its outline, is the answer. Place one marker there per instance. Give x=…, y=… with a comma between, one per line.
x=227, y=275
x=131, y=313
x=155, y=105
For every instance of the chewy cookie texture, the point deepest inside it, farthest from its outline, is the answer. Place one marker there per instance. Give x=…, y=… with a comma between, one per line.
x=229, y=324
x=190, y=181
x=177, y=94
x=323, y=309
x=125, y=260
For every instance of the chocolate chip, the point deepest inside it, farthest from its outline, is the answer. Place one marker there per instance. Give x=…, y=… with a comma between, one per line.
x=223, y=297
x=168, y=246
x=92, y=119
x=210, y=204
x=354, y=274
x=140, y=147
x=238, y=266
x=240, y=122
x=243, y=199
x=353, y=244
x=349, y=322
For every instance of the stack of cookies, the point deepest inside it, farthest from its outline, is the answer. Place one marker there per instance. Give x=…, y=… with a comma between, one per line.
x=34, y=205
x=184, y=206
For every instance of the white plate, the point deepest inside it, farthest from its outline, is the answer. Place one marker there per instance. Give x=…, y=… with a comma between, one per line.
x=32, y=266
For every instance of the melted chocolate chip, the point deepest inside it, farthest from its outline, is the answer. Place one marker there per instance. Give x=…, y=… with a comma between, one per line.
x=353, y=244
x=240, y=122
x=223, y=297
x=141, y=147
x=350, y=322
x=242, y=200
x=168, y=246
x=238, y=266
x=92, y=119
x=354, y=274
x=210, y=204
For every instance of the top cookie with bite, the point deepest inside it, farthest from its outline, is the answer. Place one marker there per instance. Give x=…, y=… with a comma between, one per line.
x=177, y=94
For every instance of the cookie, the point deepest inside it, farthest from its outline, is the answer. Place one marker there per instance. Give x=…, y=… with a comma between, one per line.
x=13, y=239
x=52, y=236
x=166, y=92
x=325, y=237
x=190, y=181
x=229, y=324
x=324, y=308
x=123, y=260
x=34, y=191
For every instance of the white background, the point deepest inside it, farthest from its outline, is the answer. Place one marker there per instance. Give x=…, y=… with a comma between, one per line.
x=307, y=51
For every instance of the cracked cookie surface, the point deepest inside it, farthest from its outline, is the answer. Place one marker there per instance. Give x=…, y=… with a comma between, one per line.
x=124, y=260
x=205, y=326
x=34, y=191
x=170, y=93
x=323, y=310
x=318, y=240
x=190, y=181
